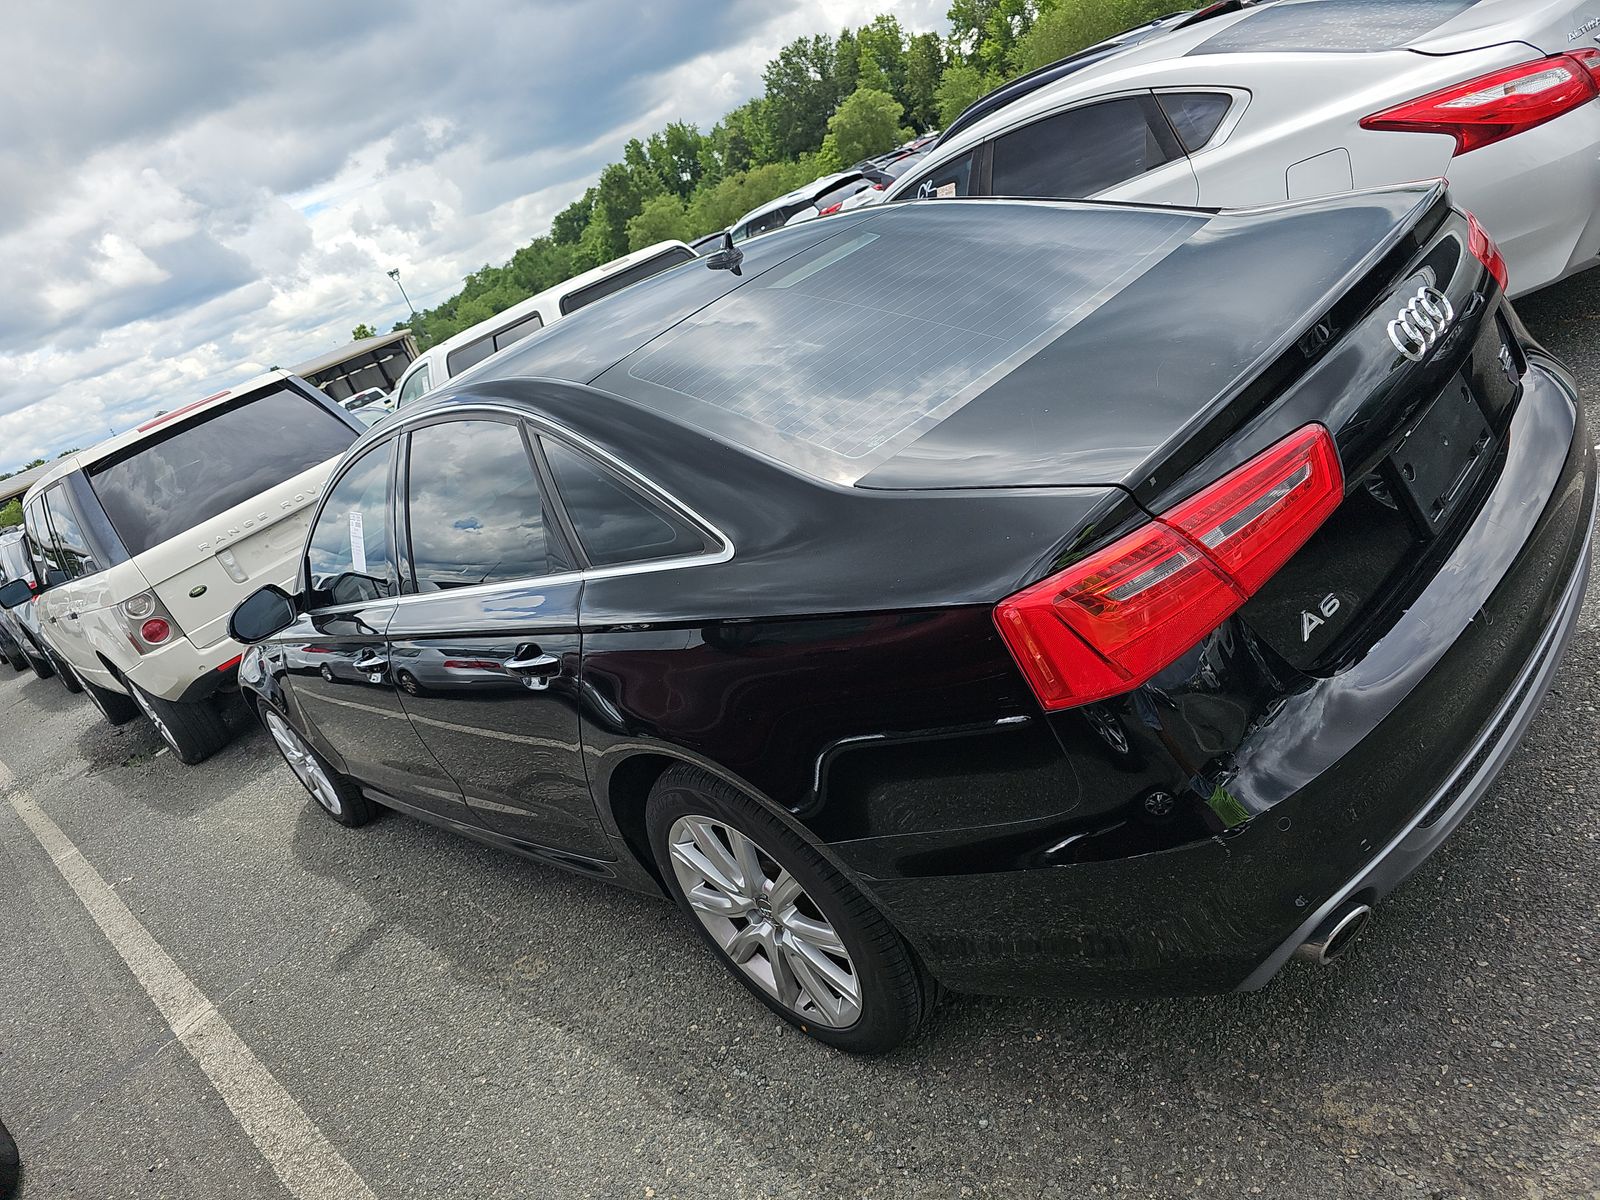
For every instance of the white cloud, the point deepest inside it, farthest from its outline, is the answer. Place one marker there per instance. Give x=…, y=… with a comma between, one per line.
x=190, y=194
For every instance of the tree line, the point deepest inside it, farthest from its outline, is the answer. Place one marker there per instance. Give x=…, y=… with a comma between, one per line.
x=828, y=102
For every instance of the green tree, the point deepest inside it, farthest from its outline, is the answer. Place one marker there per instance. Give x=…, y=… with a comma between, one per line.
x=723, y=203
x=983, y=33
x=11, y=514
x=960, y=85
x=38, y=462
x=1064, y=27
x=867, y=123
x=74, y=450
x=362, y=330
x=801, y=92
x=570, y=222
x=924, y=66
x=884, y=40
x=662, y=218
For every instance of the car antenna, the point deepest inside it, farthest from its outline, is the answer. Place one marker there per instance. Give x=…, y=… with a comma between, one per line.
x=728, y=257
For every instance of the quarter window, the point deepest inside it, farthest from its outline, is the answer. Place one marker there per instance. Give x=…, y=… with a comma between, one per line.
x=1079, y=153
x=416, y=386
x=71, y=547
x=1196, y=115
x=615, y=523
x=476, y=511
x=945, y=181
x=349, y=561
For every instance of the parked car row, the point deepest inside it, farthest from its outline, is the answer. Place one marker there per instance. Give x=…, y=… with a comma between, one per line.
x=1124, y=601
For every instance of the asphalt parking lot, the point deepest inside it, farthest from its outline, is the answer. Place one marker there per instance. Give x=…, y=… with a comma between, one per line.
x=450, y=1021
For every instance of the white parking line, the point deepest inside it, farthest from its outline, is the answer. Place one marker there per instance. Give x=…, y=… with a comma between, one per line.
x=301, y=1157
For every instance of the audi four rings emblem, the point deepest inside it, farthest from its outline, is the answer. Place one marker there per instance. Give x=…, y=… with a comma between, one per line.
x=1422, y=323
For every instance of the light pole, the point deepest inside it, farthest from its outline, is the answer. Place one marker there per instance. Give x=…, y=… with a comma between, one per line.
x=395, y=275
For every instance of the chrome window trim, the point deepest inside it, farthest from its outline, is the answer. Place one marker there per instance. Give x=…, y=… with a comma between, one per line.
x=540, y=424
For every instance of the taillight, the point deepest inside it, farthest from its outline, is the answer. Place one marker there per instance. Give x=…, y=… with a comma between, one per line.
x=1484, y=248
x=1494, y=107
x=830, y=210
x=149, y=623
x=1121, y=616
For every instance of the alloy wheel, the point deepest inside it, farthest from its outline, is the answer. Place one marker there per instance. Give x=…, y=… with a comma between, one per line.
x=306, y=766
x=764, y=921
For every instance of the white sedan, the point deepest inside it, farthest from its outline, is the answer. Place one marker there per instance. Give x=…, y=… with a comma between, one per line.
x=1243, y=104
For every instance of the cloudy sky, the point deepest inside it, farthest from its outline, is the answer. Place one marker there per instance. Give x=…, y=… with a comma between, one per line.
x=190, y=197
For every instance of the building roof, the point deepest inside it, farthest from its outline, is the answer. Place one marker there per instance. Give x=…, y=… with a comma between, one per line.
x=19, y=483
x=348, y=351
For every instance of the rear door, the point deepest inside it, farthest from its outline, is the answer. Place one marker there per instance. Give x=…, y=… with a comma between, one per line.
x=335, y=656
x=485, y=649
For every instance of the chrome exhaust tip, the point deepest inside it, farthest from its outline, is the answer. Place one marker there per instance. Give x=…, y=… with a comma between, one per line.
x=1334, y=936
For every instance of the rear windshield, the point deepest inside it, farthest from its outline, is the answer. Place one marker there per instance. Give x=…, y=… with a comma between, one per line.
x=599, y=290
x=1334, y=25
x=891, y=326
x=175, y=481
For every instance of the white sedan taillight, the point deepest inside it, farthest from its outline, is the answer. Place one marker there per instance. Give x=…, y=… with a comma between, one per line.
x=1493, y=107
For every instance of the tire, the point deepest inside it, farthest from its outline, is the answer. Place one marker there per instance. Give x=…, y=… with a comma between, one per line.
x=407, y=682
x=116, y=708
x=326, y=672
x=41, y=664
x=65, y=673
x=19, y=662
x=193, y=732
x=874, y=998
x=334, y=793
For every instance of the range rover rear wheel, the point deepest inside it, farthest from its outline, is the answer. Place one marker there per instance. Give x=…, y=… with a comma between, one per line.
x=793, y=930
x=116, y=708
x=194, y=732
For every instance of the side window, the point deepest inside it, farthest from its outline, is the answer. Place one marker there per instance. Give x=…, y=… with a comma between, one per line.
x=415, y=386
x=349, y=560
x=47, y=567
x=1076, y=154
x=615, y=523
x=515, y=333
x=71, y=547
x=469, y=355
x=953, y=178
x=475, y=509
x=1195, y=115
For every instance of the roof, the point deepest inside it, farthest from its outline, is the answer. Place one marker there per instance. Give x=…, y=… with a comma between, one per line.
x=101, y=450
x=21, y=482
x=350, y=350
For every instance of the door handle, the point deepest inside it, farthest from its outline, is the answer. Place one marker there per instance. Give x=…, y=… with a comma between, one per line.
x=371, y=663
x=529, y=661
x=72, y=616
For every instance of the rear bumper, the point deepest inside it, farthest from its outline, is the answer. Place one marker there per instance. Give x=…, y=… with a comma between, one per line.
x=1337, y=792
x=1471, y=780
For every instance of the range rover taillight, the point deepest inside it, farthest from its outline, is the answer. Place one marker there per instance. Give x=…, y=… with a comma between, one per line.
x=150, y=625
x=1119, y=617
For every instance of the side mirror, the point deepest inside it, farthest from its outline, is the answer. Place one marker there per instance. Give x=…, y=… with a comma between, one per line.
x=15, y=594
x=261, y=614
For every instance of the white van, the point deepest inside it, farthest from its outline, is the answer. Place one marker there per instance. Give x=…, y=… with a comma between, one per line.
x=471, y=346
x=142, y=546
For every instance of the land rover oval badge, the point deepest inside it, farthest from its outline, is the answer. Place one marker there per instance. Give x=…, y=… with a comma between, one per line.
x=197, y=591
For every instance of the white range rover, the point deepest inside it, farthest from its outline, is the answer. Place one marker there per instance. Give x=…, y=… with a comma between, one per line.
x=143, y=546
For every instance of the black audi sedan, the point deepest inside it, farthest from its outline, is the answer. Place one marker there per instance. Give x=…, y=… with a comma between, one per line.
x=1001, y=596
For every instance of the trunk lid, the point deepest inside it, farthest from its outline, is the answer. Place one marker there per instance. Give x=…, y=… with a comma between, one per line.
x=1553, y=26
